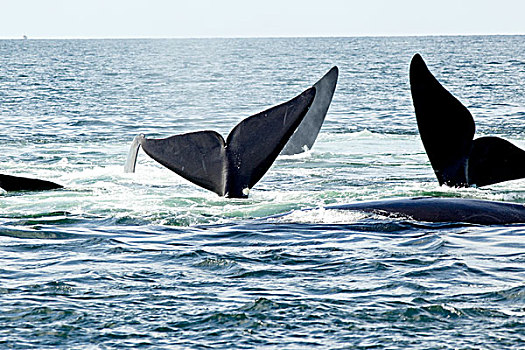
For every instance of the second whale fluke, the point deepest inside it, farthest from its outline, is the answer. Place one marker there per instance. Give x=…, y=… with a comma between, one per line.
x=447, y=132
x=304, y=137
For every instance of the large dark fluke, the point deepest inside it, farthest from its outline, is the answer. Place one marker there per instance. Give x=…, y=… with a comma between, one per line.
x=232, y=167
x=447, y=131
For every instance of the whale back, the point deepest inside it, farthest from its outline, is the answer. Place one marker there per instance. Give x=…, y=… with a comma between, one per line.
x=457, y=210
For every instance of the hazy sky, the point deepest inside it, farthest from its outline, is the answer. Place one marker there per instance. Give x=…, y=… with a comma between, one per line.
x=266, y=18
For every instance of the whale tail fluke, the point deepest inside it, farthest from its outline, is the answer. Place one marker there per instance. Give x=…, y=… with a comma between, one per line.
x=17, y=183
x=198, y=157
x=494, y=160
x=304, y=137
x=447, y=131
x=232, y=167
x=131, y=161
x=446, y=126
x=254, y=144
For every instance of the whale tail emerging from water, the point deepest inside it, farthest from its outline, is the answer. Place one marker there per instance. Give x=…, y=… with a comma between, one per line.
x=229, y=168
x=17, y=183
x=304, y=137
x=447, y=131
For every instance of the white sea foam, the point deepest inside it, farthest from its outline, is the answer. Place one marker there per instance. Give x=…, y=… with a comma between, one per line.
x=323, y=216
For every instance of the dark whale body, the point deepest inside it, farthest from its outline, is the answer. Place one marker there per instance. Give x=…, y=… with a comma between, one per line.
x=17, y=183
x=436, y=209
x=447, y=132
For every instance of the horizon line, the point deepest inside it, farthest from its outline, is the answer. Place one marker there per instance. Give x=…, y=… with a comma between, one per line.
x=27, y=37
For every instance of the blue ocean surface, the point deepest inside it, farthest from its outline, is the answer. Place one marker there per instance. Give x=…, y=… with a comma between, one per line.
x=149, y=260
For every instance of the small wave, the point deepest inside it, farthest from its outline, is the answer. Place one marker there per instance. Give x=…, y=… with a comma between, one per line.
x=34, y=233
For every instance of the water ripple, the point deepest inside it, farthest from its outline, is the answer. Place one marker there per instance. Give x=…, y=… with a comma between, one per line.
x=148, y=260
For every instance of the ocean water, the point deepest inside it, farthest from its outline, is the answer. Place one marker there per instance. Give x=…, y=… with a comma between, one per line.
x=148, y=260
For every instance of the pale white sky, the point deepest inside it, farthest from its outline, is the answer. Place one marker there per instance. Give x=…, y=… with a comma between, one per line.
x=261, y=18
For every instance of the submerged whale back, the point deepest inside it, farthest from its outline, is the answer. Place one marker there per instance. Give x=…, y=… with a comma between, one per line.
x=430, y=209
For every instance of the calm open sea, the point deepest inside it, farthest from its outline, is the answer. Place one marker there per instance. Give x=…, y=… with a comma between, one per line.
x=149, y=260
